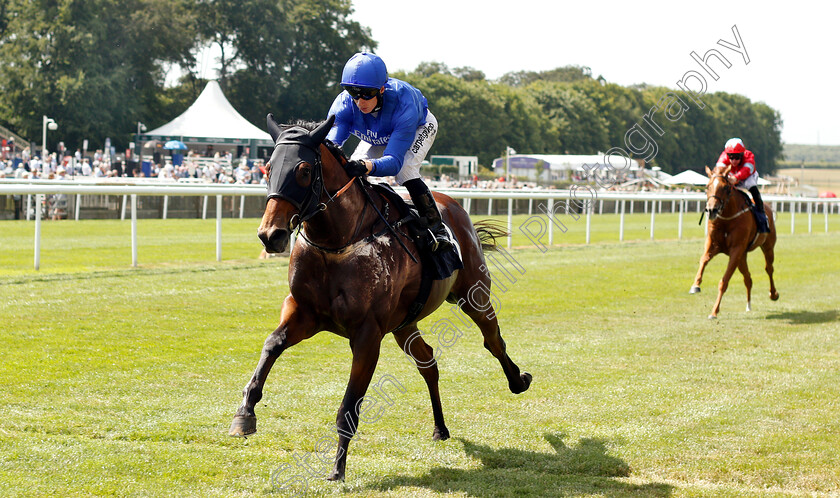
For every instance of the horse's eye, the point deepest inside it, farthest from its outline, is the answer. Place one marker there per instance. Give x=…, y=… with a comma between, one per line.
x=303, y=174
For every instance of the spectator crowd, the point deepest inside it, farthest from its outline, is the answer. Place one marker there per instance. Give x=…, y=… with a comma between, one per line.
x=216, y=167
x=220, y=168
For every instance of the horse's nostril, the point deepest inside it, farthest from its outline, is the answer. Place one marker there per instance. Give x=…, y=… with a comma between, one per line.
x=274, y=239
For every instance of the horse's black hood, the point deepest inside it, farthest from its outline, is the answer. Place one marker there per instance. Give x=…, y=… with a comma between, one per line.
x=292, y=146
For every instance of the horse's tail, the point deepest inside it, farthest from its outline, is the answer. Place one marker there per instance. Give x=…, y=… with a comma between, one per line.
x=488, y=231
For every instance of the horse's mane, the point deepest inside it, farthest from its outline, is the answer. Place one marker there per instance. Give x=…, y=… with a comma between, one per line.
x=337, y=151
x=302, y=123
x=722, y=169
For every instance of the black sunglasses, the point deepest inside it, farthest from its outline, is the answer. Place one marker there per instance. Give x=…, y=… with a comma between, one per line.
x=360, y=92
x=735, y=156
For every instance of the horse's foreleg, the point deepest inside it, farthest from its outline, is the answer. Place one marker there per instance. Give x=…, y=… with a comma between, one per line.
x=410, y=341
x=478, y=307
x=734, y=260
x=365, y=346
x=745, y=271
x=295, y=326
x=704, y=260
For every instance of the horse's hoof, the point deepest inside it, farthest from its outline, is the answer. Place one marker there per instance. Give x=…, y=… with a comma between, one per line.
x=441, y=433
x=526, y=378
x=774, y=297
x=749, y=308
x=243, y=426
x=335, y=476
x=694, y=290
x=712, y=317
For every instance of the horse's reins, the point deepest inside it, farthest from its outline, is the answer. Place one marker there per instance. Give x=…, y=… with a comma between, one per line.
x=723, y=206
x=323, y=207
x=739, y=213
x=388, y=225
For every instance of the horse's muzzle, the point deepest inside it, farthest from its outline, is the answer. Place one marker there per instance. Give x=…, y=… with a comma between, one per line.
x=274, y=239
x=712, y=212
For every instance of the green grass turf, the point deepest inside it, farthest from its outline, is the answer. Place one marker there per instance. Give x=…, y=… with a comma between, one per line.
x=122, y=381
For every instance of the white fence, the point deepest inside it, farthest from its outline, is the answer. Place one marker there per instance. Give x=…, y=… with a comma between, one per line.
x=588, y=201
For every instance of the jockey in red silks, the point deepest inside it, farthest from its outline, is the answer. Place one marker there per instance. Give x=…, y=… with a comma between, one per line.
x=743, y=174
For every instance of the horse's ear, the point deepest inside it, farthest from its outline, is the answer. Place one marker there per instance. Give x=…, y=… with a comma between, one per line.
x=320, y=133
x=708, y=172
x=273, y=128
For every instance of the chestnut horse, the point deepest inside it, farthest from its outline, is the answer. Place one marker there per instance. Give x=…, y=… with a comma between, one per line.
x=353, y=276
x=733, y=231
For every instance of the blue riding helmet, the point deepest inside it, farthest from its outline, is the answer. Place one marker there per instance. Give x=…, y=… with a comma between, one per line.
x=365, y=70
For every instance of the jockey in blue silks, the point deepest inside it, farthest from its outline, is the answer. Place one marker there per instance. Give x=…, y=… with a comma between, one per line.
x=396, y=129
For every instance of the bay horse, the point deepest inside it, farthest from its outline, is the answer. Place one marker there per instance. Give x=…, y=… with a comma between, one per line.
x=733, y=231
x=349, y=274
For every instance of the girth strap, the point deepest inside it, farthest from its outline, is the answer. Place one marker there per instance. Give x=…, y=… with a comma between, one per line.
x=419, y=301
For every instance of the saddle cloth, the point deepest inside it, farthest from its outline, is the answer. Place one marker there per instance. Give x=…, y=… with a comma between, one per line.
x=438, y=264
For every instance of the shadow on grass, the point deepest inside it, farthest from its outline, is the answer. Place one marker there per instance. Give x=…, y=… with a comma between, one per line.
x=583, y=470
x=805, y=317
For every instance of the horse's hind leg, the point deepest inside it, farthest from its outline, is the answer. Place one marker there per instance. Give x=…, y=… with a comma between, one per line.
x=410, y=341
x=769, y=256
x=295, y=326
x=768, y=248
x=745, y=271
x=478, y=307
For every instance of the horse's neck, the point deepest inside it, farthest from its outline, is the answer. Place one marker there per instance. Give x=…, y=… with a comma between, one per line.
x=344, y=219
x=735, y=203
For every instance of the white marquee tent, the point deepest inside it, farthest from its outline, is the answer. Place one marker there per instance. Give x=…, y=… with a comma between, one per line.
x=210, y=120
x=688, y=177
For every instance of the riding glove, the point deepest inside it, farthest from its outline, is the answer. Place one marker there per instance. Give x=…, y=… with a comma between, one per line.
x=355, y=168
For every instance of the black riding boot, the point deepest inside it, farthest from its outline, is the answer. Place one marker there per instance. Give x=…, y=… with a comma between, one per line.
x=760, y=215
x=426, y=206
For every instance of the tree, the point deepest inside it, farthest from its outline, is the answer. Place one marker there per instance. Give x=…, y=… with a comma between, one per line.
x=427, y=69
x=468, y=115
x=229, y=25
x=469, y=74
x=95, y=66
x=478, y=118
x=579, y=128
x=291, y=66
x=565, y=74
x=620, y=107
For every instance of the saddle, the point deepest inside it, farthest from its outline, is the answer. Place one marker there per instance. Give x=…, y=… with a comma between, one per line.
x=439, y=264
x=759, y=236
x=749, y=200
x=747, y=197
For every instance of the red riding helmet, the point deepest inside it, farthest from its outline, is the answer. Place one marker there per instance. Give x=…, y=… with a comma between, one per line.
x=734, y=146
